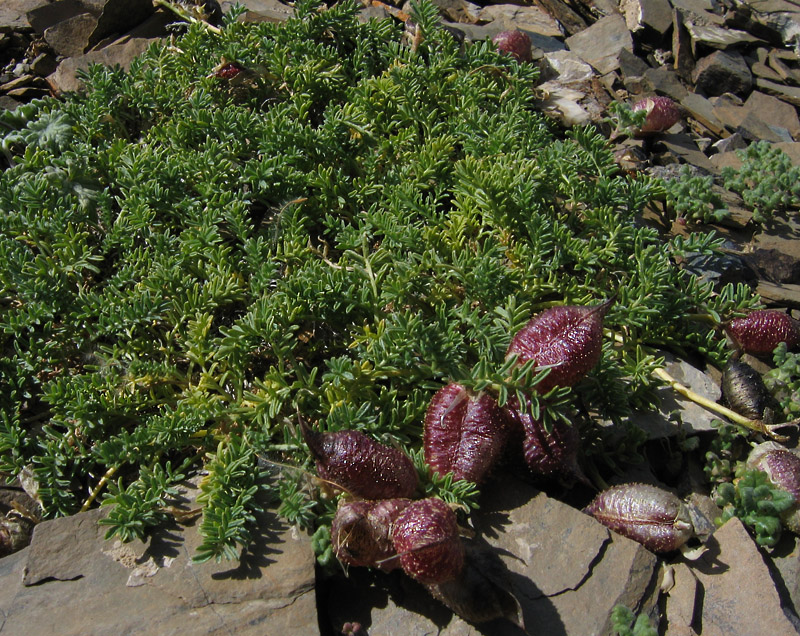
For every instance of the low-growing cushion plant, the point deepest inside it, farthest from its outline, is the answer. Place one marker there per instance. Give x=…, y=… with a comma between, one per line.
x=342, y=228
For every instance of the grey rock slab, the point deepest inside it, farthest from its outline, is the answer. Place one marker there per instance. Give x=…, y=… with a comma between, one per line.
x=681, y=597
x=776, y=295
x=565, y=66
x=754, y=128
x=722, y=72
x=656, y=14
x=47, y=14
x=739, y=595
x=14, y=14
x=601, y=43
x=702, y=110
x=665, y=81
x=683, y=147
x=65, y=78
x=70, y=581
x=694, y=417
x=261, y=10
x=718, y=37
x=71, y=37
x=525, y=18
x=790, y=94
x=119, y=16
x=571, y=571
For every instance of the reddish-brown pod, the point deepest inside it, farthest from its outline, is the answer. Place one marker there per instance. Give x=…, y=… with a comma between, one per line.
x=425, y=537
x=649, y=515
x=361, y=533
x=783, y=469
x=464, y=433
x=360, y=465
x=662, y=114
x=514, y=43
x=551, y=453
x=569, y=339
x=762, y=330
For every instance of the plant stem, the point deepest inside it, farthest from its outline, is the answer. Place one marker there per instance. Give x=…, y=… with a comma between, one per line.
x=100, y=485
x=754, y=425
x=185, y=15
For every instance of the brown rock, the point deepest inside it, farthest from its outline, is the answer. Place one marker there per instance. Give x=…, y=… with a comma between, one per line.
x=739, y=595
x=682, y=590
x=13, y=14
x=682, y=51
x=656, y=14
x=600, y=44
x=701, y=109
x=47, y=14
x=774, y=111
x=779, y=295
x=71, y=36
x=571, y=21
x=790, y=94
x=665, y=81
x=684, y=148
x=531, y=19
x=65, y=78
x=78, y=584
x=722, y=72
x=262, y=10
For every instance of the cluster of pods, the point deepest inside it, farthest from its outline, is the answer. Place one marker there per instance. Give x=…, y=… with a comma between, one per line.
x=380, y=525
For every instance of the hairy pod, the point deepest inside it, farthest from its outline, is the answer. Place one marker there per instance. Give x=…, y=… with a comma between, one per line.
x=569, y=339
x=361, y=533
x=783, y=469
x=425, y=537
x=464, y=433
x=760, y=331
x=662, y=114
x=551, y=453
x=360, y=465
x=744, y=391
x=649, y=515
x=514, y=43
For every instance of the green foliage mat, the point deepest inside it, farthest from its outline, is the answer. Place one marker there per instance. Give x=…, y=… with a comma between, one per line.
x=191, y=255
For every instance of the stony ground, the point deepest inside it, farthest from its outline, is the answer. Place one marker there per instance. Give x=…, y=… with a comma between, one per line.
x=733, y=66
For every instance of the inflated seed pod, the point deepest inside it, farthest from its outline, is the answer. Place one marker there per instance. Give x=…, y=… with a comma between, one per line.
x=361, y=533
x=783, y=469
x=568, y=339
x=649, y=515
x=551, y=453
x=760, y=331
x=464, y=433
x=425, y=537
x=515, y=43
x=744, y=391
x=662, y=114
x=360, y=465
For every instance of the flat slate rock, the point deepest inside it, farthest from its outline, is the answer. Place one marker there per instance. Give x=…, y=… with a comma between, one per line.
x=70, y=581
x=601, y=43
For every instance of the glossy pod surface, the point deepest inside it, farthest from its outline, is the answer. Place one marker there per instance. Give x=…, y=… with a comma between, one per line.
x=464, y=433
x=662, y=114
x=425, y=536
x=649, y=515
x=744, y=390
x=569, y=339
x=360, y=465
x=760, y=331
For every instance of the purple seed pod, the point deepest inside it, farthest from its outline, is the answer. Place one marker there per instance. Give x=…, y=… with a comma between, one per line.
x=464, y=433
x=360, y=533
x=649, y=515
x=662, y=114
x=550, y=454
x=514, y=43
x=570, y=339
x=228, y=71
x=783, y=469
x=425, y=536
x=760, y=331
x=360, y=465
